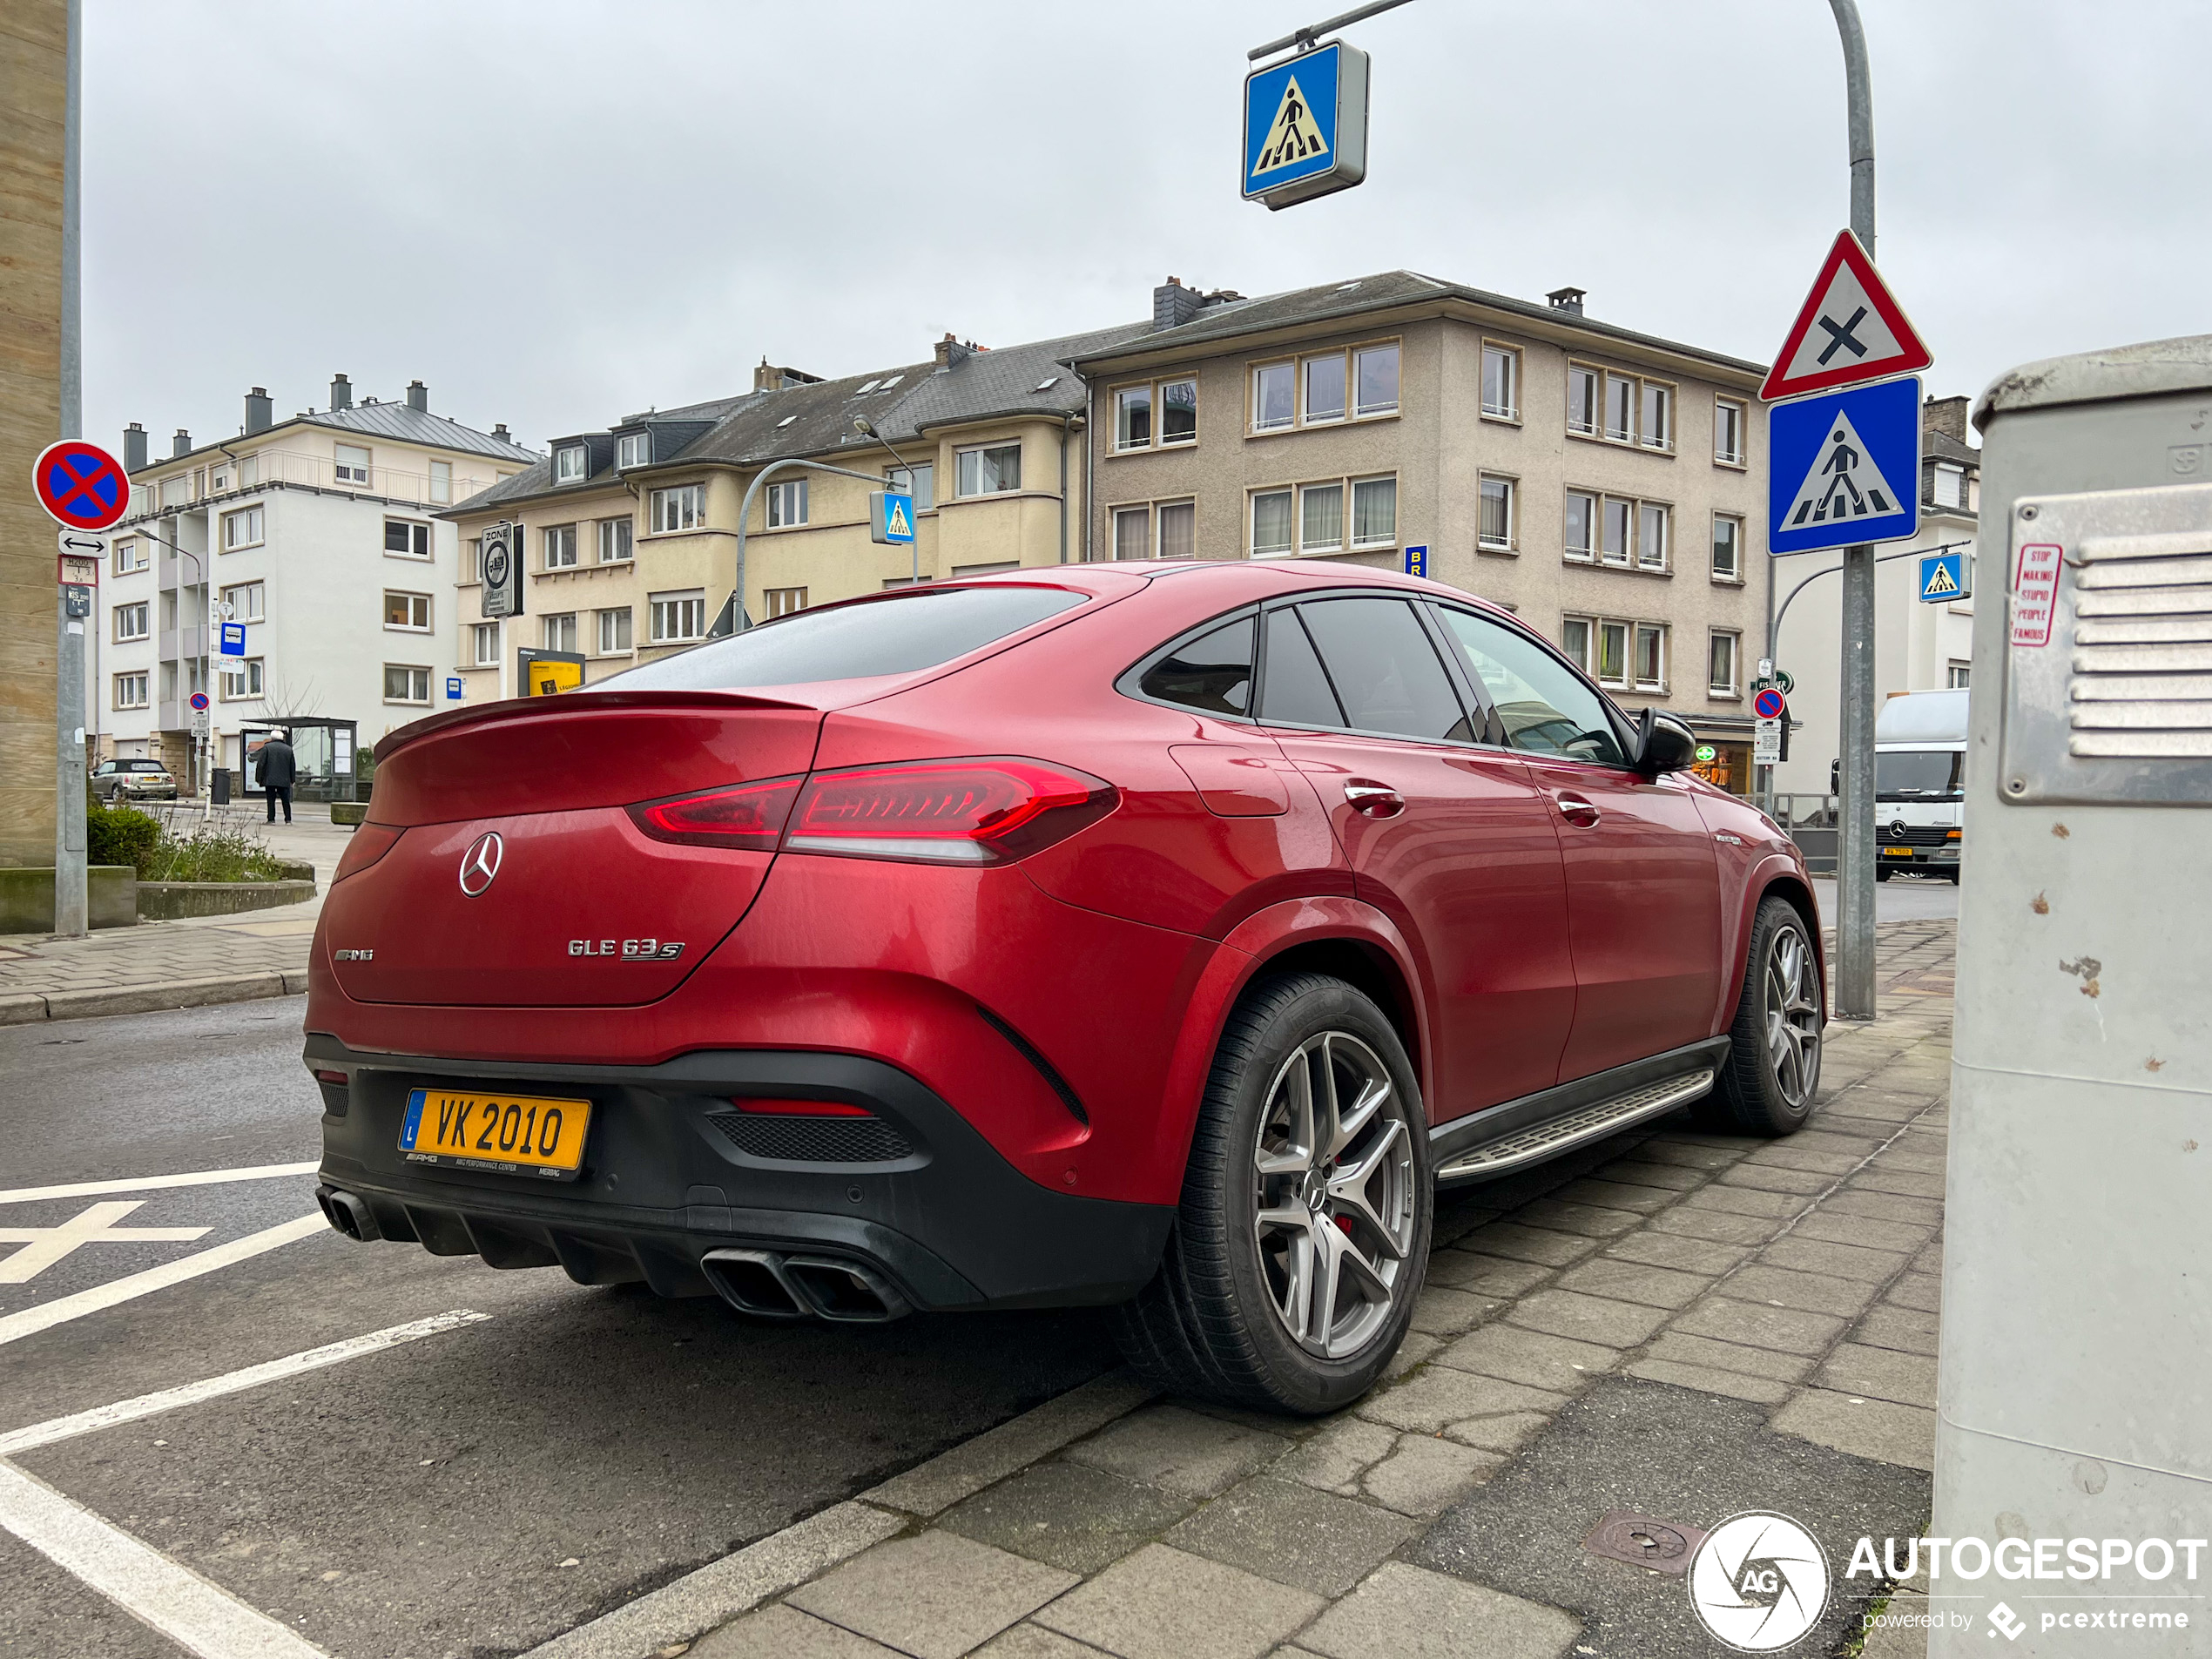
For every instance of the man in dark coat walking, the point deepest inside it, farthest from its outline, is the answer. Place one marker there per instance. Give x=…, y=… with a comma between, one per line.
x=273, y=770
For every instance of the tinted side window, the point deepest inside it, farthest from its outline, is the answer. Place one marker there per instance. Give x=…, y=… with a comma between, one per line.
x=1213, y=672
x=1385, y=672
x=1545, y=708
x=1298, y=692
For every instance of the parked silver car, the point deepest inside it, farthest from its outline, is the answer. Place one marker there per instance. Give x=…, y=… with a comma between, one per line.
x=115, y=780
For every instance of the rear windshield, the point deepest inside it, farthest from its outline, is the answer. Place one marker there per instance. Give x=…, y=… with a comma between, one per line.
x=899, y=635
x=142, y=765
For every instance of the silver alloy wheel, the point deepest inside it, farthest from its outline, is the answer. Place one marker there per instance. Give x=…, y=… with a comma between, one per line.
x=1333, y=1172
x=1792, y=1016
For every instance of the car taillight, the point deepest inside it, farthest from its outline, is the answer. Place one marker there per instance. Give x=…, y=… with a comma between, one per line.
x=800, y=1108
x=369, y=842
x=749, y=816
x=984, y=811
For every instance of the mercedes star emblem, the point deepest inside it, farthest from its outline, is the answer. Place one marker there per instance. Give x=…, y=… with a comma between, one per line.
x=480, y=863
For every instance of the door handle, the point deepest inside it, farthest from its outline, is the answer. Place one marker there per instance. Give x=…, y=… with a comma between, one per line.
x=1376, y=800
x=1575, y=810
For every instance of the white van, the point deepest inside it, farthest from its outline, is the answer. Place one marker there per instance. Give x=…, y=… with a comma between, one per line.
x=1920, y=783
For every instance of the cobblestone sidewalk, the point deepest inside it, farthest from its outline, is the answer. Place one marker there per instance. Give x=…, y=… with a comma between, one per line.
x=1791, y=1281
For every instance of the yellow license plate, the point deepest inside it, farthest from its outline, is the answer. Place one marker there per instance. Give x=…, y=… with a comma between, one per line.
x=1897, y=851
x=505, y=1134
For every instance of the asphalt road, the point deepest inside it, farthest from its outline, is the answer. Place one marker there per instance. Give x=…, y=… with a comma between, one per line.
x=470, y=1493
x=1905, y=898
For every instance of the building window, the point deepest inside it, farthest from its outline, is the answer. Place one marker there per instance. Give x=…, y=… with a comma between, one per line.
x=407, y=538
x=681, y=508
x=1324, y=378
x=560, y=632
x=677, y=617
x=131, y=692
x=1652, y=537
x=560, y=547
x=614, y=540
x=406, y=682
x=1721, y=660
x=1728, y=432
x=568, y=465
x=241, y=529
x=1582, y=525
x=614, y=631
x=1375, y=377
x=131, y=623
x=1948, y=486
x=992, y=471
x=1320, y=518
x=244, y=602
x=1574, y=640
x=1133, y=533
x=920, y=483
x=483, y=638
x=890, y=582
x=1374, y=512
x=1651, y=656
x=633, y=449
x=1615, y=519
x=1133, y=418
x=1957, y=675
x=1179, y=411
x=441, y=481
x=1495, y=529
x=1657, y=431
x=1612, y=653
x=242, y=680
x=1727, y=548
x=352, y=464
x=1166, y=412
x=1274, y=396
x=409, y=611
x=175, y=490
x=1179, y=530
x=781, y=602
x=1581, y=400
x=1620, y=407
x=129, y=556
x=1502, y=383
x=1270, y=524
x=787, y=505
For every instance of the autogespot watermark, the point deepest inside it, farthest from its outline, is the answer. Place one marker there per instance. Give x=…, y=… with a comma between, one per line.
x=1760, y=1582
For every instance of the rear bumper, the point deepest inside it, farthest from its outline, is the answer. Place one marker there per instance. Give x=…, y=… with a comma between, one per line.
x=944, y=1218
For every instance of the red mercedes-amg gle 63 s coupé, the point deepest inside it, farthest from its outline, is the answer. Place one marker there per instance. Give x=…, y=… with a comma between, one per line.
x=1151, y=935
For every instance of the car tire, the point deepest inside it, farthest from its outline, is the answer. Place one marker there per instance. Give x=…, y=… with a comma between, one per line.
x=1882, y=872
x=1285, y=1176
x=1767, y=1084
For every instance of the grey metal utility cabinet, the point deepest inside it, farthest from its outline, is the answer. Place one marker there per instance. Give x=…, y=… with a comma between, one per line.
x=2076, y=1367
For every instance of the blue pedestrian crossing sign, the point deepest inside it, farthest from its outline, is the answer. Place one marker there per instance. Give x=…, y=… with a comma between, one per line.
x=891, y=518
x=1306, y=125
x=234, y=639
x=1946, y=576
x=1844, y=468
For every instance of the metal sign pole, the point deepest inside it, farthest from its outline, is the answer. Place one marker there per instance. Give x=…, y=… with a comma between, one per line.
x=1854, y=977
x=72, y=906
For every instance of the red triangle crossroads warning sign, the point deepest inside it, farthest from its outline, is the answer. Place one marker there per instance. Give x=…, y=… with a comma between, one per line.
x=1851, y=329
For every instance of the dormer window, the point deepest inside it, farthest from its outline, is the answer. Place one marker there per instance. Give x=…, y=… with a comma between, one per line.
x=568, y=465
x=633, y=449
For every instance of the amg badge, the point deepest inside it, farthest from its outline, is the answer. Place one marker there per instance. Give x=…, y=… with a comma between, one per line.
x=353, y=955
x=630, y=950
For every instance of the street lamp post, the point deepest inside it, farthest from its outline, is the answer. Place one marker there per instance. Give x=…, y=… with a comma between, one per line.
x=737, y=622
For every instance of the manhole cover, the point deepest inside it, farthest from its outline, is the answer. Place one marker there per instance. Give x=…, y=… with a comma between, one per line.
x=1663, y=1545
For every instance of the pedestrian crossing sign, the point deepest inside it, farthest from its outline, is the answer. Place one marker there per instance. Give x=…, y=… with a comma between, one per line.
x=1844, y=468
x=1306, y=125
x=891, y=518
x=1943, y=577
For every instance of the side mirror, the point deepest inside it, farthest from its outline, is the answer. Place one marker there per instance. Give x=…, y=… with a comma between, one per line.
x=1663, y=744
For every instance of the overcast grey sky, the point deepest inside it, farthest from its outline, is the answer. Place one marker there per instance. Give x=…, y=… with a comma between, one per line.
x=559, y=212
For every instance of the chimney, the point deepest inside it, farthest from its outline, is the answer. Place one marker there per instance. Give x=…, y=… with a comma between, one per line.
x=950, y=352
x=1173, y=305
x=1947, y=415
x=134, y=448
x=499, y=432
x=180, y=445
x=418, y=396
x=1567, y=300
x=257, y=411
x=342, y=392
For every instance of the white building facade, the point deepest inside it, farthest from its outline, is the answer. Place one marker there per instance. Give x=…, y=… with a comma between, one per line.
x=316, y=535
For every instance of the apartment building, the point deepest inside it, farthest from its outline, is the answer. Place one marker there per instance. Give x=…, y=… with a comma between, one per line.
x=1607, y=485
x=320, y=534
x=631, y=533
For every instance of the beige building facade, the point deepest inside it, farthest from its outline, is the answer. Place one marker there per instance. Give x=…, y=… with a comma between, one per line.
x=1605, y=485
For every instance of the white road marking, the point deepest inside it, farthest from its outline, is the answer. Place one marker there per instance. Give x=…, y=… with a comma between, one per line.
x=167, y=1399
x=145, y=1583
x=150, y=1182
x=43, y=1246
x=31, y=1321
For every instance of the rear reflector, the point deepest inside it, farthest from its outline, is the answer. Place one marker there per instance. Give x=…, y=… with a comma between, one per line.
x=746, y=815
x=368, y=843
x=986, y=811
x=801, y=1108
x=337, y=1078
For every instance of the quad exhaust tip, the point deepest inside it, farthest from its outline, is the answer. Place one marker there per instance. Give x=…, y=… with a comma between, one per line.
x=769, y=1285
x=349, y=1214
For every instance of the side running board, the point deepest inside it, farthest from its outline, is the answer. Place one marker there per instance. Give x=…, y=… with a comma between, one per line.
x=1548, y=1139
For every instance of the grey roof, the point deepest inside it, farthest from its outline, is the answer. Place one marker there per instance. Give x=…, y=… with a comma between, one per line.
x=376, y=420
x=1387, y=290
x=1941, y=446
